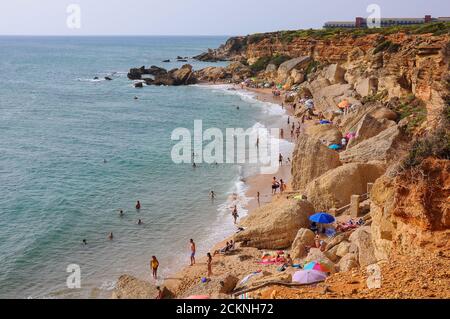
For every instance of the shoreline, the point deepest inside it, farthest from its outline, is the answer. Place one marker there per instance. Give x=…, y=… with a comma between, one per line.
x=259, y=182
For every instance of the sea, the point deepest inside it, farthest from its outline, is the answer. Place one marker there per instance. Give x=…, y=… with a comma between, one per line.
x=75, y=149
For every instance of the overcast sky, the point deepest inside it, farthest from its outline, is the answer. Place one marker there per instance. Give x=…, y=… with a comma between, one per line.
x=195, y=17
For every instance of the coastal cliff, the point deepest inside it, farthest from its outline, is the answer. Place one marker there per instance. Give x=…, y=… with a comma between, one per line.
x=393, y=175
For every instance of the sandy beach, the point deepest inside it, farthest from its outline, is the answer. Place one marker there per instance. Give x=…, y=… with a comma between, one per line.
x=185, y=282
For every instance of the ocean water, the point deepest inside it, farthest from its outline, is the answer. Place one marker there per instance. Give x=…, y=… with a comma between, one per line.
x=58, y=126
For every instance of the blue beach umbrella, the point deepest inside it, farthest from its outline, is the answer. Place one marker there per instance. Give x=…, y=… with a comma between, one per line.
x=322, y=218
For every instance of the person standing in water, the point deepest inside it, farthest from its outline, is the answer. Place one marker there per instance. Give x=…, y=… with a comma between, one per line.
x=192, y=244
x=138, y=205
x=210, y=273
x=110, y=236
x=280, y=159
x=212, y=195
x=235, y=215
x=154, y=264
x=121, y=213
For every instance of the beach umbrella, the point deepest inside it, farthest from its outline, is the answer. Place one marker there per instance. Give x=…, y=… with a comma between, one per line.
x=314, y=265
x=334, y=147
x=198, y=297
x=309, y=276
x=322, y=218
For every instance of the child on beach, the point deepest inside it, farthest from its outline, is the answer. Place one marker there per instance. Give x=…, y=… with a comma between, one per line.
x=209, y=264
x=154, y=264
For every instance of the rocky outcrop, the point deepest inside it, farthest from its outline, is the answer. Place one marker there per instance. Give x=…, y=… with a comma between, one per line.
x=235, y=72
x=410, y=212
x=304, y=238
x=335, y=188
x=285, y=69
x=311, y=159
x=369, y=127
x=129, y=287
x=159, y=76
x=328, y=134
x=386, y=146
x=275, y=225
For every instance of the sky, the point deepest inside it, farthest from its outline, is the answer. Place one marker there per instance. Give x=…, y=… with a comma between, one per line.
x=193, y=17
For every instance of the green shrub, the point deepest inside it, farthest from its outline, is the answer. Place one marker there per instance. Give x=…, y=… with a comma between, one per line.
x=383, y=46
x=261, y=64
x=436, y=145
x=279, y=59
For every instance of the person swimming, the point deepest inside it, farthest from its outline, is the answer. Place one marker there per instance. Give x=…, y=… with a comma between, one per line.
x=140, y=222
x=84, y=241
x=121, y=214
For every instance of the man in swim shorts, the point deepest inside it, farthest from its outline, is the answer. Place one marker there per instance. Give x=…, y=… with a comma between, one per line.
x=192, y=244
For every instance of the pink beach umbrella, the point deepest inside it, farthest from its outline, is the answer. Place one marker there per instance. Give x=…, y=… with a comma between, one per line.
x=198, y=297
x=309, y=276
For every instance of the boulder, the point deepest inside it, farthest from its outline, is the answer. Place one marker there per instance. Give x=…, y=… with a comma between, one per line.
x=332, y=254
x=238, y=71
x=311, y=159
x=327, y=97
x=369, y=127
x=138, y=85
x=164, y=79
x=228, y=283
x=183, y=76
x=318, y=256
x=362, y=239
x=335, y=188
x=327, y=134
x=271, y=68
x=275, y=225
x=384, y=113
x=212, y=74
x=337, y=240
x=305, y=237
x=347, y=263
x=335, y=74
x=297, y=76
x=129, y=287
x=285, y=69
x=386, y=146
x=342, y=249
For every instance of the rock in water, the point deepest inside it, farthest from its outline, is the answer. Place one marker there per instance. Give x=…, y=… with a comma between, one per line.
x=275, y=225
x=311, y=159
x=138, y=85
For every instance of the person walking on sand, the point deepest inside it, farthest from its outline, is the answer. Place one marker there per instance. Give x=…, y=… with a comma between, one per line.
x=235, y=215
x=280, y=159
x=289, y=120
x=154, y=264
x=192, y=244
x=210, y=273
x=257, y=197
x=138, y=205
x=281, y=133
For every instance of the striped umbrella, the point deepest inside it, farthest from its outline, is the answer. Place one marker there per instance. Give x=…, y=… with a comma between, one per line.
x=314, y=265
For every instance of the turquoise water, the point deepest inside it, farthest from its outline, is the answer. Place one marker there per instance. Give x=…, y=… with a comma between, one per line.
x=57, y=126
